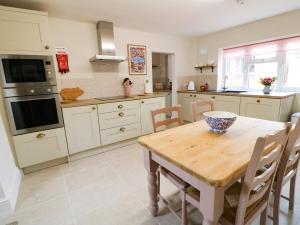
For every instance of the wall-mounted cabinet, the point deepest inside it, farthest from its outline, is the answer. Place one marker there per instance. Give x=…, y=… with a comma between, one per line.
x=23, y=31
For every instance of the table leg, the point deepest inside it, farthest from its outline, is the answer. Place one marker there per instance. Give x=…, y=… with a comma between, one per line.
x=151, y=168
x=211, y=204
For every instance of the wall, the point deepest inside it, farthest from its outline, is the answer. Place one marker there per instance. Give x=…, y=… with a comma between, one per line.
x=269, y=28
x=10, y=176
x=100, y=80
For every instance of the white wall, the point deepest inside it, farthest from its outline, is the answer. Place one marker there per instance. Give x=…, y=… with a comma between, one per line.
x=97, y=80
x=10, y=176
x=270, y=28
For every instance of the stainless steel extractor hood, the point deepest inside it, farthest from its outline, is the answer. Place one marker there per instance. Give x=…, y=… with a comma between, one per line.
x=106, y=44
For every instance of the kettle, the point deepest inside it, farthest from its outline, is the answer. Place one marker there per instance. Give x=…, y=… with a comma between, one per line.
x=191, y=86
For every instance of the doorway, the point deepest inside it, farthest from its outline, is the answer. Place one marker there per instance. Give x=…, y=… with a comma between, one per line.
x=162, y=74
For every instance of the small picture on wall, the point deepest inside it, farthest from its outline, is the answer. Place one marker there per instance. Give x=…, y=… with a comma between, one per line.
x=137, y=59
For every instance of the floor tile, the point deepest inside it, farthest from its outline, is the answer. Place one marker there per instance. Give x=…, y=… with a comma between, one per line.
x=106, y=189
x=54, y=212
x=40, y=192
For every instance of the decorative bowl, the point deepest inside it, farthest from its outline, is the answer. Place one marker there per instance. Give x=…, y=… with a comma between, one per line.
x=219, y=121
x=71, y=94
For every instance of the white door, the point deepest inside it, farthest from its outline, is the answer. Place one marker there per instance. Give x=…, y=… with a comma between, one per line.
x=147, y=105
x=261, y=108
x=22, y=31
x=82, y=128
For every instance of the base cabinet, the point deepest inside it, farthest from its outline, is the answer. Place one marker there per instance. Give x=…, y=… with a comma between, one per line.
x=227, y=103
x=261, y=108
x=82, y=128
x=40, y=147
x=147, y=105
x=185, y=101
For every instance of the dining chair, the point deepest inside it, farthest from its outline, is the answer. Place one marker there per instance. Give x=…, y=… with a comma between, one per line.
x=179, y=183
x=200, y=107
x=287, y=172
x=248, y=198
x=175, y=119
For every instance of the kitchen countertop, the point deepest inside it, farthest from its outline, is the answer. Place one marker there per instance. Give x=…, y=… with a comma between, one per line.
x=274, y=95
x=95, y=101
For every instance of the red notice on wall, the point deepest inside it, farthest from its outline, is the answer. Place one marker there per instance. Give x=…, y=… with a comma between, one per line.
x=62, y=60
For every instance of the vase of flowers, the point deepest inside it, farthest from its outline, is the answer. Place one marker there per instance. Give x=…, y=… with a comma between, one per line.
x=127, y=87
x=268, y=84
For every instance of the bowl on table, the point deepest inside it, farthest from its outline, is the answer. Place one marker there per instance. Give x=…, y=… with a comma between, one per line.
x=219, y=121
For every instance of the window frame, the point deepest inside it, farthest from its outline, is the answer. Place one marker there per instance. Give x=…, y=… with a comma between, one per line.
x=282, y=70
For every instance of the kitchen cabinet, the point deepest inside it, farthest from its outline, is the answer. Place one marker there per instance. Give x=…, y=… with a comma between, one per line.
x=185, y=100
x=147, y=105
x=23, y=31
x=119, y=121
x=38, y=147
x=82, y=128
x=226, y=103
x=268, y=109
x=120, y=133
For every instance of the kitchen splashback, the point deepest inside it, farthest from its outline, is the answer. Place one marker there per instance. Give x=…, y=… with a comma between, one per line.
x=211, y=79
x=102, y=85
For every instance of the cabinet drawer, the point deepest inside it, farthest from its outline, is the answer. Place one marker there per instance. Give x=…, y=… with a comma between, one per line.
x=40, y=147
x=118, y=106
x=115, y=119
x=121, y=133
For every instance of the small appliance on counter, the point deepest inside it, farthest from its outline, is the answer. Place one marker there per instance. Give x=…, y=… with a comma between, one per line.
x=191, y=86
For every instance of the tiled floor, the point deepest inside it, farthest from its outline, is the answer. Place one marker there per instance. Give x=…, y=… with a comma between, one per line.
x=106, y=189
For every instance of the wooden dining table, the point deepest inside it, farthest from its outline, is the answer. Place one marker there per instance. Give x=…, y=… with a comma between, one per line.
x=208, y=161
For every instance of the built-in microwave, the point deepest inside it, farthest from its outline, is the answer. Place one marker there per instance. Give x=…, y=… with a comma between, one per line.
x=26, y=70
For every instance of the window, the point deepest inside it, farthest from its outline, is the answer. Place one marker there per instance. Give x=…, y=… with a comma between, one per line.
x=244, y=66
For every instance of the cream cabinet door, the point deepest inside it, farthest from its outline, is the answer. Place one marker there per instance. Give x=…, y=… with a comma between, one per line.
x=226, y=103
x=40, y=147
x=146, y=106
x=261, y=108
x=185, y=100
x=23, y=31
x=82, y=128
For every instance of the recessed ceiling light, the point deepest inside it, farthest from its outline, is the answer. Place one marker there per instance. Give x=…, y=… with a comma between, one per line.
x=241, y=2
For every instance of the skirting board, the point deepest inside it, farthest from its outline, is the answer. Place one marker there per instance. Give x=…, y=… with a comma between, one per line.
x=8, y=204
x=102, y=149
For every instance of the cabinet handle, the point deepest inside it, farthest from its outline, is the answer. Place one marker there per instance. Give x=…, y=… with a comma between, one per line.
x=191, y=95
x=40, y=135
x=47, y=47
x=213, y=97
x=120, y=106
x=258, y=100
x=121, y=114
x=142, y=102
x=93, y=108
x=122, y=129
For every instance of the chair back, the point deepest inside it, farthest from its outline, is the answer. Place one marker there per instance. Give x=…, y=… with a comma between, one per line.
x=290, y=157
x=258, y=181
x=157, y=123
x=200, y=107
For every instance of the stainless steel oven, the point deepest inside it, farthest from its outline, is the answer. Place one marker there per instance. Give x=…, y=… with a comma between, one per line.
x=32, y=109
x=26, y=70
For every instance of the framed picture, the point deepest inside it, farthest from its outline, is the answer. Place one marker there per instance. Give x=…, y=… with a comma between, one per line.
x=137, y=59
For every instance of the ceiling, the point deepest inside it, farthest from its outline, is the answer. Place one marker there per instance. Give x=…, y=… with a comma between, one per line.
x=180, y=17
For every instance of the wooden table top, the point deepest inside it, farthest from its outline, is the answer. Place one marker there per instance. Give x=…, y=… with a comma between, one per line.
x=215, y=158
